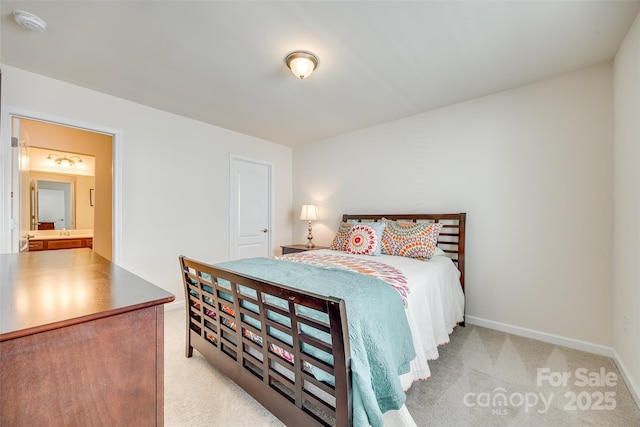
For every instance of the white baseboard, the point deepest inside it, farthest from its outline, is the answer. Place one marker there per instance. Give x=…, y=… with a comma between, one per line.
x=542, y=336
x=563, y=341
x=631, y=384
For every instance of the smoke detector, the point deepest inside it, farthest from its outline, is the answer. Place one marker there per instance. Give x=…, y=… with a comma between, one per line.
x=29, y=21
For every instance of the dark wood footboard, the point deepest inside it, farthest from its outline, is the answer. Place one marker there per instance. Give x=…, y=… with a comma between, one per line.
x=242, y=326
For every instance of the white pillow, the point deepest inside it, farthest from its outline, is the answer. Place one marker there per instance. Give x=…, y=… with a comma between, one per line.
x=438, y=252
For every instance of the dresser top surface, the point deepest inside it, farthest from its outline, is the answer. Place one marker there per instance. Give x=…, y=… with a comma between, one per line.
x=46, y=290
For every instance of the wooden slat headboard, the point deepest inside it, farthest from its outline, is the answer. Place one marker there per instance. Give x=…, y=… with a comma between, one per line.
x=451, y=239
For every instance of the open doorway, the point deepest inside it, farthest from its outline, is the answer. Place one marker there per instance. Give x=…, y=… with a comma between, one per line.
x=59, y=140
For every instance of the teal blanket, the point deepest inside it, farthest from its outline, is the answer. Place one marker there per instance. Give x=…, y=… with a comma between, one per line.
x=379, y=335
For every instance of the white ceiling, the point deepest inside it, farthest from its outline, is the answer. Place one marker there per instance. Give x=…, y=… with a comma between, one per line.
x=223, y=62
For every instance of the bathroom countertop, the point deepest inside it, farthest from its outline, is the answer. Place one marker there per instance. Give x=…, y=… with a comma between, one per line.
x=59, y=234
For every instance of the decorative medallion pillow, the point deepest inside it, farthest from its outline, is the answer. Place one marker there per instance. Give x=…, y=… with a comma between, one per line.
x=340, y=240
x=365, y=238
x=411, y=240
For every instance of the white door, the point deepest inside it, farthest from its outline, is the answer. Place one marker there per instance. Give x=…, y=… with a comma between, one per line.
x=250, y=208
x=20, y=181
x=51, y=207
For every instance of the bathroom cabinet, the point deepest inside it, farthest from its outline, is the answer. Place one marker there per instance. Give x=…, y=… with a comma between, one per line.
x=61, y=243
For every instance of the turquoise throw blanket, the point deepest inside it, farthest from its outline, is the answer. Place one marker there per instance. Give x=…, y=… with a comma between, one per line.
x=379, y=335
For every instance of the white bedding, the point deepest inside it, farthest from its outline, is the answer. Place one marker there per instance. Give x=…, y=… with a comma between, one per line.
x=435, y=306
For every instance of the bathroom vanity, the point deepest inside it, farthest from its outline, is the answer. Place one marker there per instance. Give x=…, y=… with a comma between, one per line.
x=46, y=240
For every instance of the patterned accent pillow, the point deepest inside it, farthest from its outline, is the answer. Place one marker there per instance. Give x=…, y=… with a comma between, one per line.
x=411, y=240
x=365, y=238
x=340, y=240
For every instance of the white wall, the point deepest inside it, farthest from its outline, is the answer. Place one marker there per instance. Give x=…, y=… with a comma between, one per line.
x=84, y=209
x=175, y=175
x=626, y=250
x=533, y=169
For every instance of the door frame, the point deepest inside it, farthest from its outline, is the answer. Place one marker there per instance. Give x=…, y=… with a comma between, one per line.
x=233, y=202
x=6, y=245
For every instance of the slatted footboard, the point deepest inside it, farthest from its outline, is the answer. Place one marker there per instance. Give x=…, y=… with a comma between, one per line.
x=273, y=341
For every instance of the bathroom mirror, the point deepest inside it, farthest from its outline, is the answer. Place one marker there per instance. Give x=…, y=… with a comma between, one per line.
x=61, y=192
x=61, y=202
x=54, y=205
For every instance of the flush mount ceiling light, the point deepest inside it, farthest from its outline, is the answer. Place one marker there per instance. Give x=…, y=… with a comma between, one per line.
x=301, y=63
x=29, y=21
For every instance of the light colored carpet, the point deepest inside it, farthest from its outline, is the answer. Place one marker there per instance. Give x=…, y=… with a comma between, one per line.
x=475, y=370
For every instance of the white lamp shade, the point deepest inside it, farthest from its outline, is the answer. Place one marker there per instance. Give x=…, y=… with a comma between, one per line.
x=309, y=212
x=302, y=67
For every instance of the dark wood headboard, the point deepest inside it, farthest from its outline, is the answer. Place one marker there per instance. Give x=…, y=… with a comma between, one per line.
x=451, y=239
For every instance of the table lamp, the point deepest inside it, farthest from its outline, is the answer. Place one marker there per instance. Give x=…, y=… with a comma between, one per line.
x=309, y=213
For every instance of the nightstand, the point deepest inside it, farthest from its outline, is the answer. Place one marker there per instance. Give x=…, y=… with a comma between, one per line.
x=292, y=249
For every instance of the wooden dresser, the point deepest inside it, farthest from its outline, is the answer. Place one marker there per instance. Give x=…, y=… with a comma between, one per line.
x=81, y=342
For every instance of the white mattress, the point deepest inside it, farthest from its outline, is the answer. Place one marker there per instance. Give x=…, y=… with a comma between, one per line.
x=435, y=306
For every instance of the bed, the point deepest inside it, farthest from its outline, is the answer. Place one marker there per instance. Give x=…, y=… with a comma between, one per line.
x=288, y=341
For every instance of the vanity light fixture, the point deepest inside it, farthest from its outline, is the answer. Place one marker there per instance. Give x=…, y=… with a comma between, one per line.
x=64, y=161
x=301, y=63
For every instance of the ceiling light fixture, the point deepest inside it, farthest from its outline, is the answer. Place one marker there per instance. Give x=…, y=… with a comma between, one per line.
x=301, y=63
x=29, y=21
x=64, y=161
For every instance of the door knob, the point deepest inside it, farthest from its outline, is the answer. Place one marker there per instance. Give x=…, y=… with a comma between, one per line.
x=264, y=230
